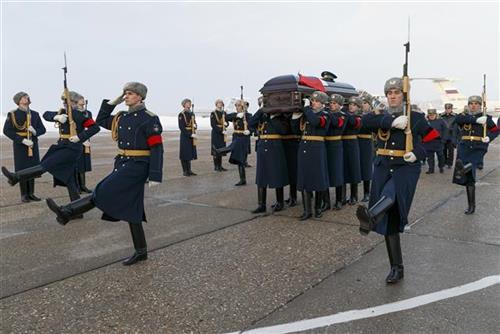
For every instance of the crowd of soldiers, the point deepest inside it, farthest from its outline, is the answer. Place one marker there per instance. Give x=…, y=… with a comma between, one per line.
x=332, y=142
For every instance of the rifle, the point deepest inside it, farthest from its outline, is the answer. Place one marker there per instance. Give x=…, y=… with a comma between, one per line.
x=484, y=104
x=69, y=108
x=406, y=96
x=245, y=123
x=28, y=133
x=193, y=124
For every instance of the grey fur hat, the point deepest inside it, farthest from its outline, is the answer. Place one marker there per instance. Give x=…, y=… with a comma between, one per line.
x=393, y=83
x=319, y=96
x=137, y=88
x=73, y=96
x=219, y=100
x=475, y=98
x=356, y=100
x=186, y=101
x=431, y=111
x=18, y=97
x=337, y=98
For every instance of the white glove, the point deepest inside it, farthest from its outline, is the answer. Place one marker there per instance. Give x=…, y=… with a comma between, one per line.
x=485, y=139
x=409, y=157
x=481, y=120
x=151, y=184
x=246, y=132
x=74, y=139
x=296, y=115
x=224, y=132
x=194, y=136
x=307, y=103
x=27, y=142
x=86, y=143
x=32, y=130
x=400, y=122
x=240, y=115
x=116, y=101
x=273, y=115
x=61, y=118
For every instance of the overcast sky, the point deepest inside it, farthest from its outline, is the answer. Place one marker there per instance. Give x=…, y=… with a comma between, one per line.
x=207, y=50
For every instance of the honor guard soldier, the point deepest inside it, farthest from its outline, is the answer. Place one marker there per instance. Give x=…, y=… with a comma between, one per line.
x=352, y=166
x=241, y=140
x=335, y=151
x=85, y=162
x=365, y=141
x=23, y=126
x=291, y=141
x=450, y=136
x=271, y=160
x=435, y=146
x=312, y=164
x=476, y=131
x=187, y=149
x=396, y=171
x=61, y=160
x=219, y=133
x=120, y=195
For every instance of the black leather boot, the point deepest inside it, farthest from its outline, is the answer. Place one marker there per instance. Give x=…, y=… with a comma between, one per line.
x=216, y=164
x=461, y=170
x=139, y=240
x=354, y=194
x=325, y=201
x=261, y=200
x=71, y=211
x=81, y=183
x=368, y=218
x=243, y=178
x=280, y=201
x=307, y=204
x=24, y=174
x=189, y=168
x=31, y=191
x=318, y=201
x=366, y=191
x=338, y=198
x=222, y=150
x=344, y=194
x=292, y=200
x=185, y=171
x=471, y=199
x=393, y=245
x=23, y=186
x=221, y=169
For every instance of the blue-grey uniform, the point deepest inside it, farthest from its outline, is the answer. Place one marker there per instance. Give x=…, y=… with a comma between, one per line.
x=137, y=132
x=335, y=148
x=218, y=123
x=312, y=164
x=352, y=167
x=187, y=126
x=15, y=128
x=365, y=142
x=436, y=146
x=241, y=142
x=450, y=137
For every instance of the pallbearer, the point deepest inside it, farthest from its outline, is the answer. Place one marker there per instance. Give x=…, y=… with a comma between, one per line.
x=291, y=140
x=219, y=133
x=352, y=166
x=187, y=143
x=365, y=141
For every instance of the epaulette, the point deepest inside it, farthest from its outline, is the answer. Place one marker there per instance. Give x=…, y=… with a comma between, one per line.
x=150, y=113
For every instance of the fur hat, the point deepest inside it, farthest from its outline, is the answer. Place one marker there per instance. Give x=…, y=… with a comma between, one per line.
x=337, y=98
x=356, y=100
x=137, y=88
x=393, y=83
x=19, y=96
x=475, y=98
x=186, y=101
x=319, y=96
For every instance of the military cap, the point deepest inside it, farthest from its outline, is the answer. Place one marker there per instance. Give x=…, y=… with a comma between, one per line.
x=448, y=105
x=185, y=101
x=73, y=97
x=137, y=88
x=319, y=96
x=356, y=100
x=337, y=98
x=328, y=76
x=475, y=98
x=19, y=96
x=367, y=98
x=393, y=83
x=217, y=101
x=431, y=111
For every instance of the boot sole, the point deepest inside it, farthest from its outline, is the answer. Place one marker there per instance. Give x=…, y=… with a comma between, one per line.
x=8, y=175
x=364, y=218
x=55, y=208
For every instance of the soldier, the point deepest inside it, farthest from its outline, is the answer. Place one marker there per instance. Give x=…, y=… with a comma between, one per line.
x=472, y=147
x=187, y=149
x=312, y=164
x=352, y=167
x=435, y=146
x=219, y=124
x=291, y=140
x=396, y=172
x=241, y=140
x=61, y=160
x=120, y=195
x=23, y=126
x=365, y=141
x=85, y=162
x=334, y=151
x=450, y=136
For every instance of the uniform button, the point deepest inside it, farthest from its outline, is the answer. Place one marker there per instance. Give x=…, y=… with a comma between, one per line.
x=304, y=151
x=128, y=144
x=135, y=115
x=120, y=126
x=392, y=158
x=305, y=141
x=393, y=143
x=265, y=150
x=265, y=141
x=123, y=165
x=128, y=158
x=391, y=170
x=129, y=128
x=116, y=169
x=121, y=142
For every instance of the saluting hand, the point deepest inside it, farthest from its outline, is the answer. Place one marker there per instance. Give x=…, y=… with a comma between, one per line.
x=32, y=130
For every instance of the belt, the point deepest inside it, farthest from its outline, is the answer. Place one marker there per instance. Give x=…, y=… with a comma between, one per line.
x=332, y=138
x=350, y=137
x=239, y=131
x=290, y=137
x=313, y=138
x=63, y=136
x=477, y=138
x=22, y=134
x=134, y=153
x=270, y=136
x=391, y=153
x=365, y=136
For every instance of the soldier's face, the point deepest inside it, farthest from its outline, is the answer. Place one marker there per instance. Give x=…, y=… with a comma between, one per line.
x=353, y=107
x=315, y=104
x=219, y=105
x=239, y=107
x=366, y=106
x=394, y=98
x=187, y=105
x=432, y=116
x=448, y=110
x=334, y=106
x=474, y=107
x=131, y=98
x=80, y=104
x=24, y=101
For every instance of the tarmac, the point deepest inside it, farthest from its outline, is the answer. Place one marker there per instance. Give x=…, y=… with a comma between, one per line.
x=214, y=267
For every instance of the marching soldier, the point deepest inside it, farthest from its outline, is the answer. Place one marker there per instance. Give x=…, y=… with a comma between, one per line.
x=435, y=146
x=365, y=141
x=85, y=162
x=61, y=160
x=219, y=124
x=396, y=172
x=187, y=125
x=23, y=126
x=352, y=167
x=334, y=151
x=450, y=136
x=120, y=195
x=312, y=164
x=472, y=147
x=271, y=161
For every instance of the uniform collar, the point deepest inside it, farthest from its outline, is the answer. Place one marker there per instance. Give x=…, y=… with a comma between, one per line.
x=137, y=107
x=396, y=110
x=21, y=109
